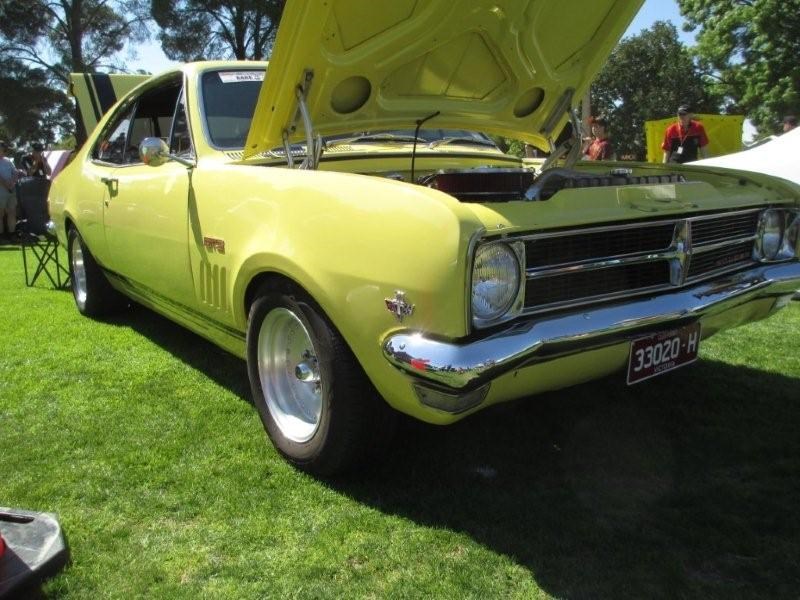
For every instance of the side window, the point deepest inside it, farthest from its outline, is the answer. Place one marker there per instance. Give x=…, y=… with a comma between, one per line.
x=150, y=116
x=112, y=144
x=180, y=141
x=153, y=117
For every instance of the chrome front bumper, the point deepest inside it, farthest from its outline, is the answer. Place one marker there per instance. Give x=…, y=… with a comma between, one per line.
x=466, y=365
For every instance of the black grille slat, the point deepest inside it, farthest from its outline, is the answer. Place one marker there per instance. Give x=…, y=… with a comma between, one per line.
x=581, y=284
x=721, y=258
x=598, y=245
x=724, y=228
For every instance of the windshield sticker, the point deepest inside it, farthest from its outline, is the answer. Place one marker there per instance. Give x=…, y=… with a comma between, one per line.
x=239, y=76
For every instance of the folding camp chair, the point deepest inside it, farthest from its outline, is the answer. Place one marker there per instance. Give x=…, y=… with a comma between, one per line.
x=40, y=255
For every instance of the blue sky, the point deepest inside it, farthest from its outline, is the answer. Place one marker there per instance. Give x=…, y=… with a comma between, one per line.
x=659, y=10
x=152, y=59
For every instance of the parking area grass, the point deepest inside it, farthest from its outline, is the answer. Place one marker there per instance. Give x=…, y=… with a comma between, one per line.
x=142, y=438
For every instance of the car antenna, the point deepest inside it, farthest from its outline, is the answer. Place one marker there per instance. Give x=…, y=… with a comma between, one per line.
x=420, y=122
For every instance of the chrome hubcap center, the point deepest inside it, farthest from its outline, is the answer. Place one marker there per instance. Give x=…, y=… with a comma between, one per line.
x=306, y=372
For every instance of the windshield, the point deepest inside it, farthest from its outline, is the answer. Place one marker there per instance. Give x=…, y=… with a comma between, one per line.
x=229, y=100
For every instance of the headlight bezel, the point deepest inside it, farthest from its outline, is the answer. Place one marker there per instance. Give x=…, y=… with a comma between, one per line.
x=783, y=225
x=515, y=305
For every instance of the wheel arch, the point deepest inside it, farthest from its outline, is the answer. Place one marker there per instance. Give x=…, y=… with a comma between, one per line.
x=262, y=278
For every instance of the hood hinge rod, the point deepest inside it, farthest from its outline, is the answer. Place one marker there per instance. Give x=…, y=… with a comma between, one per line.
x=313, y=141
x=570, y=147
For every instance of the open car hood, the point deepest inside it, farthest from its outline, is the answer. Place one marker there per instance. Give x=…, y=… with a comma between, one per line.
x=508, y=67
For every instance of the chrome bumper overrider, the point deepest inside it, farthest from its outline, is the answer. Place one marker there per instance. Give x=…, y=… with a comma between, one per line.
x=473, y=362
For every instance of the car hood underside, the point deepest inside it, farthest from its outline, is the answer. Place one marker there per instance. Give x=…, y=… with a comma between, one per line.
x=508, y=67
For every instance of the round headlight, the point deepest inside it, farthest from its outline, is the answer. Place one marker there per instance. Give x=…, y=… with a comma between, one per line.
x=770, y=233
x=495, y=281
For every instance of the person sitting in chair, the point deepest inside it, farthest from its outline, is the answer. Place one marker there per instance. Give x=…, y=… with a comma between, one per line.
x=35, y=164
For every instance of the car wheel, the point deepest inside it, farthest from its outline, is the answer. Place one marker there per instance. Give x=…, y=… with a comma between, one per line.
x=315, y=401
x=93, y=295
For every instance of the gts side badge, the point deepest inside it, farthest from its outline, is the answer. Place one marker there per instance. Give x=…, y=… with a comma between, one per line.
x=214, y=244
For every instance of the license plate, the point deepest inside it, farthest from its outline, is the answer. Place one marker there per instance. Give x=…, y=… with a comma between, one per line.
x=662, y=352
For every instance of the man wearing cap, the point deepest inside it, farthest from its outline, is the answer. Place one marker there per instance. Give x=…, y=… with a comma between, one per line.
x=34, y=164
x=8, y=199
x=685, y=139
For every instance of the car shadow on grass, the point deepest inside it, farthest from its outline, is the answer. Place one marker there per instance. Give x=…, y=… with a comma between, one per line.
x=222, y=367
x=687, y=485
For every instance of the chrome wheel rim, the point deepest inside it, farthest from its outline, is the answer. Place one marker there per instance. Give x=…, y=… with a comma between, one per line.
x=78, y=274
x=289, y=374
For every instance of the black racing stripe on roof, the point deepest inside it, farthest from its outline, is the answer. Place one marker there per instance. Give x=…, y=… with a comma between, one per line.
x=90, y=90
x=82, y=134
x=105, y=91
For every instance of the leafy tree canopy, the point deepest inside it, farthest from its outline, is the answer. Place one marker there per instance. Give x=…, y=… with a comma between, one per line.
x=751, y=50
x=66, y=36
x=647, y=77
x=208, y=29
x=44, y=40
x=30, y=108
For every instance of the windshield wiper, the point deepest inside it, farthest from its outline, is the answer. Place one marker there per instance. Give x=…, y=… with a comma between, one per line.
x=376, y=137
x=461, y=140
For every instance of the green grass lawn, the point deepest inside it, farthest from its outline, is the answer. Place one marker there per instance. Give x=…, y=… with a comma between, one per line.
x=141, y=436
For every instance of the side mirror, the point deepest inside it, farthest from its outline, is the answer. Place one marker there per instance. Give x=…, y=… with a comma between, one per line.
x=154, y=152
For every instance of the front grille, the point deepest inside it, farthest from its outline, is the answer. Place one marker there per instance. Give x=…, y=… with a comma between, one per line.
x=573, y=248
x=587, y=284
x=587, y=265
x=724, y=228
x=720, y=258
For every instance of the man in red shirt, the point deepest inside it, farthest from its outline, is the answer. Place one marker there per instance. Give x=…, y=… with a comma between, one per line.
x=600, y=147
x=684, y=140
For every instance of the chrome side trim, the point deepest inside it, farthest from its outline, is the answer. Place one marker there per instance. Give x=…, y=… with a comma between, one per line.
x=467, y=364
x=472, y=246
x=717, y=245
x=594, y=265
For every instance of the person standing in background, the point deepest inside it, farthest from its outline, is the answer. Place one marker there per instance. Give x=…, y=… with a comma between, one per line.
x=8, y=198
x=685, y=139
x=600, y=147
x=789, y=123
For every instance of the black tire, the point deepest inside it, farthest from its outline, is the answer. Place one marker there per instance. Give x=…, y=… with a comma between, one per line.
x=93, y=295
x=354, y=425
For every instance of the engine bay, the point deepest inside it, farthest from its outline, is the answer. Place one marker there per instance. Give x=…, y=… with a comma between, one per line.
x=503, y=185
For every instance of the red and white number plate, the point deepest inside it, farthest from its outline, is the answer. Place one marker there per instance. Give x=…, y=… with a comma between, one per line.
x=662, y=352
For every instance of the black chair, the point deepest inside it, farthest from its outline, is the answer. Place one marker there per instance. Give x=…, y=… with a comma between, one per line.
x=40, y=255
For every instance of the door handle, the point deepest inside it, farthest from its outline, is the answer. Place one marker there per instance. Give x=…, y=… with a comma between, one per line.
x=111, y=184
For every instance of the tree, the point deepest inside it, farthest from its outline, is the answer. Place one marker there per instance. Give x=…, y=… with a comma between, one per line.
x=30, y=108
x=204, y=29
x=647, y=77
x=57, y=37
x=750, y=50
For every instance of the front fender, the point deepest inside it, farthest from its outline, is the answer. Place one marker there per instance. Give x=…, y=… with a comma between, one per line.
x=351, y=241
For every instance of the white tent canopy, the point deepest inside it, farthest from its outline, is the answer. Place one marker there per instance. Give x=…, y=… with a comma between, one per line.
x=779, y=157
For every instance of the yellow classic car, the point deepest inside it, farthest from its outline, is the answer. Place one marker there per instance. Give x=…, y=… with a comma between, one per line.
x=334, y=219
